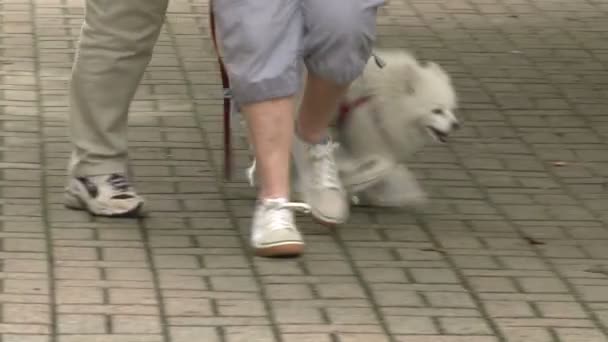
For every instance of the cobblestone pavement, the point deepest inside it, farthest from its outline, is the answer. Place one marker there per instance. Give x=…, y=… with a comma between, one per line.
x=514, y=248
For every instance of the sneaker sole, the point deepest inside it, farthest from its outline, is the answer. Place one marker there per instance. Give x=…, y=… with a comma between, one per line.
x=285, y=249
x=74, y=202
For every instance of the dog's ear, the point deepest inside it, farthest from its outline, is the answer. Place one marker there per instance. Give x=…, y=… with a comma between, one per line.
x=437, y=69
x=412, y=77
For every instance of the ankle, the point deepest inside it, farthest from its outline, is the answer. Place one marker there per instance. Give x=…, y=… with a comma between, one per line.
x=313, y=139
x=272, y=199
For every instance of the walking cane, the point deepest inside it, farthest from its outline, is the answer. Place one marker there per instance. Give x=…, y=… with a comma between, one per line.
x=227, y=100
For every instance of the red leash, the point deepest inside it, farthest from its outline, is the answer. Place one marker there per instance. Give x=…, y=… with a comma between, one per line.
x=227, y=99
x=346, y=108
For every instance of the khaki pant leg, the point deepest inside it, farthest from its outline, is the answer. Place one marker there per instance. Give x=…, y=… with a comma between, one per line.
x=115, y=47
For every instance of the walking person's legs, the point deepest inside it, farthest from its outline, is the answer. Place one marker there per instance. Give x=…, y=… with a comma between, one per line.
x=260, y=43
x=115, y=47
x=338, y=43
x=263, y=44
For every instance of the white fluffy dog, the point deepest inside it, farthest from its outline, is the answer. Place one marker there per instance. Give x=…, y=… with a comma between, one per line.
x=389, y=114
x=391, y=111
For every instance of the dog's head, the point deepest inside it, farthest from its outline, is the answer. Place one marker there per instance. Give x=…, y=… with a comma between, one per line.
x=417, y=95
x=430, y=97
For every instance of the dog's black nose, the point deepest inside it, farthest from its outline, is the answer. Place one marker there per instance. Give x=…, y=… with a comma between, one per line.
x=455, y=125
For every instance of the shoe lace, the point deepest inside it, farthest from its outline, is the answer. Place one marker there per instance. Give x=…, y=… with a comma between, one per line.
x=279, y=215
x=326, y=172
x=119, y=182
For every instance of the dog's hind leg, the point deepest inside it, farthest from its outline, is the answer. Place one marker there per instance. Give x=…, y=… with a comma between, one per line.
x=398, y=189
x=358, y=174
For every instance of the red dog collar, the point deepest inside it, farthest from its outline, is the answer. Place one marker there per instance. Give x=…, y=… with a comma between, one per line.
x=347, y=107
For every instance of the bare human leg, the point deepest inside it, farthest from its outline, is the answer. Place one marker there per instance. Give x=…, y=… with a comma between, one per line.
x=318, y=106
x=314, y=152
x=270, y=125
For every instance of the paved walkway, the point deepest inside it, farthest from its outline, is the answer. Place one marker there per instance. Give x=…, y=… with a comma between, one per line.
x=515, y=247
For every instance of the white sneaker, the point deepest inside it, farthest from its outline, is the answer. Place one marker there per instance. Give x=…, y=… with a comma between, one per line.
x=105, y=195
x=273, y=231
x=319, y=181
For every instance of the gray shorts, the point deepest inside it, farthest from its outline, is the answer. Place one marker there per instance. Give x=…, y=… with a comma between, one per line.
x=265, y=43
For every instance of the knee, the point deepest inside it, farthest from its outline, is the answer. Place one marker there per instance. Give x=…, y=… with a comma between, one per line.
x=119, y=43
x=340, y=42
x=351, y=30
x=257, y=73
x=260, y=50
x=348, y=28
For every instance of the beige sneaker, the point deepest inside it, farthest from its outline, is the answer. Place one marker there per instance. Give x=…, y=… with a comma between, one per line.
x=319, y=181
x=106, y=195
x=273, y=231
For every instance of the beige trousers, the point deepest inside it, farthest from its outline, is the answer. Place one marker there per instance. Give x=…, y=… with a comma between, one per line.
x=114, y=49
